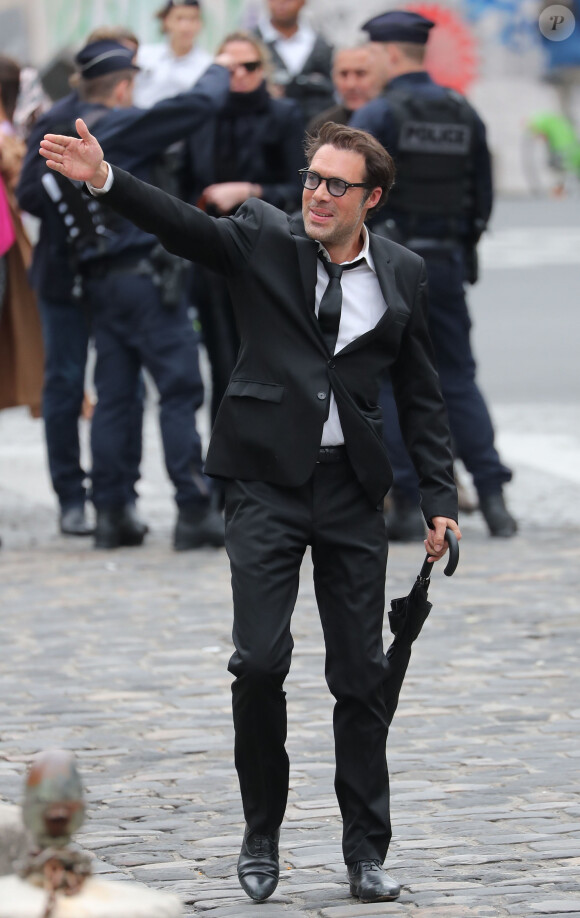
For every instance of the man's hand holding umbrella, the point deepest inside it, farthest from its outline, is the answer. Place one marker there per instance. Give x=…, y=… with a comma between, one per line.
x=435, y=543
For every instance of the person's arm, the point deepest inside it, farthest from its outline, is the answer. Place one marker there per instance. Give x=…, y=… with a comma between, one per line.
x=29, y=193
x=135, y=135
x=423, y=416
x=224, y=245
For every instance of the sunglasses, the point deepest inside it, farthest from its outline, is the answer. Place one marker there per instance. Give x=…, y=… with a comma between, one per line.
x=337, y=187
x=249, y=66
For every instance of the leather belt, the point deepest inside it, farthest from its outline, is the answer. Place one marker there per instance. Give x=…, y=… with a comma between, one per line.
x=331, y=454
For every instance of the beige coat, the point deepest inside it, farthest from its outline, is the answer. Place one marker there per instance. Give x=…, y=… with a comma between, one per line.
x=21, y=351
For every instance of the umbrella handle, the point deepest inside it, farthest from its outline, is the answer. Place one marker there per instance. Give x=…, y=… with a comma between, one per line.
x=451, y=565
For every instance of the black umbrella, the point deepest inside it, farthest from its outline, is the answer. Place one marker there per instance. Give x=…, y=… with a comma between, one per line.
x=406, y=618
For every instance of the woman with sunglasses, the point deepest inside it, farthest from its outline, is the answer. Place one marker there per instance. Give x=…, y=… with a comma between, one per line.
x=252, y=148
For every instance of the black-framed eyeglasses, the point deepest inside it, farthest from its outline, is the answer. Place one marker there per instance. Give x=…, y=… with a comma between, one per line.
x=249, y=66
x=337, y=187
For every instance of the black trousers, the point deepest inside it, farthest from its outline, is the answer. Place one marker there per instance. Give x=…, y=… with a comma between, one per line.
x=268, y=529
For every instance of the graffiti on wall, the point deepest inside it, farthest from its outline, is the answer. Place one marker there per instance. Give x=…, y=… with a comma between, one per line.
x=514, y=24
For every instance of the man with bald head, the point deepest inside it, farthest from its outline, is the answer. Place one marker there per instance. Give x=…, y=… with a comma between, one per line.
x=357, y=80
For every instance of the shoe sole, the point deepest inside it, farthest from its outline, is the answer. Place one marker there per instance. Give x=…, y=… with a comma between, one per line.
x=78, y=535
x=188, y=544
x=133, y=542
x=375, y=898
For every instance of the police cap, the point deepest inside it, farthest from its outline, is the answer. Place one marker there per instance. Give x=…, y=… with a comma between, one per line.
x=399, y=25
x=105, y=56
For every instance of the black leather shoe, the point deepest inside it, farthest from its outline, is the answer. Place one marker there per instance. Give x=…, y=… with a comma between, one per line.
x=198, y=526
x=116, y=527
x=258, y=864
x=73, y=521
x=369, y=882
x=499, y=520
x=404, y=520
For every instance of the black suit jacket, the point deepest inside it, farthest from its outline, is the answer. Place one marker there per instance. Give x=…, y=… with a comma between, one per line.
x=269, y=425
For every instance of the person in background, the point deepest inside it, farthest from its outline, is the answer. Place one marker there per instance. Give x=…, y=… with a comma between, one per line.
x=21, y=353
x=301, y=57
x=357, y=80
x=177, y=63
x=252, y=148
x=439, y=207
x=136, y=322
x=65, y=319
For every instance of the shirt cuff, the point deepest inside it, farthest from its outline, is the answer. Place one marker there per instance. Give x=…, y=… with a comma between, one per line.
x=106, y=187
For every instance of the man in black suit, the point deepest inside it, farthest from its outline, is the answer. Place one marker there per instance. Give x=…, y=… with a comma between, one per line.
x=298, y=439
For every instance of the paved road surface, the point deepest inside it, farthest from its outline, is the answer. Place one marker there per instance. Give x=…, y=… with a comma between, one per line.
x=121, y=657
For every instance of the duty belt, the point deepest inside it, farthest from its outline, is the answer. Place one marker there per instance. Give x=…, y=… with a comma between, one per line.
x=99, y=268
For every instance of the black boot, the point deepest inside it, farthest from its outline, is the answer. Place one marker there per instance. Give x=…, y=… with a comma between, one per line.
x=258, y=864
x=404, y=520
x=116, y=527
x=73, y=521
x=136, y=521
x=197, y=526
x=499, y=520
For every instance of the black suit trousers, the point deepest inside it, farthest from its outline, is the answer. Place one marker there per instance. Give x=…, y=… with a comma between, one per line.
x=268, y=529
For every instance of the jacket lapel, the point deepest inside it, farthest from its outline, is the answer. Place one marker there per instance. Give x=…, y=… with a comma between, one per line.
x=307, y=250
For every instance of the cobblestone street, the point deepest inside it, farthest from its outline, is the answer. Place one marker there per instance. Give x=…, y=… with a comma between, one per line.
x=121, y=657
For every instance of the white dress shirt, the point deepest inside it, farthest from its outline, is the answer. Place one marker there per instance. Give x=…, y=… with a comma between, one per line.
x=363, y=306
x=295, y=50
x=163, y=75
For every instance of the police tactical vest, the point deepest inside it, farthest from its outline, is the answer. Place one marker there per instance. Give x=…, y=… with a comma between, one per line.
x=90, y=229
x=433, y=154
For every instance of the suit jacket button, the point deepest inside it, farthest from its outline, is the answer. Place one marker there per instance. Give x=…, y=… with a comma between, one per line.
x=331, y=364
x=322, y=395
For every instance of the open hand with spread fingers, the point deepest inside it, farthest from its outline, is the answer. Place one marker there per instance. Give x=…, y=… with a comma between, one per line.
x=80, y=159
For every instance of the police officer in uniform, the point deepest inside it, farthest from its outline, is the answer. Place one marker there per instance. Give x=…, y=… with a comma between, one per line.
x=135, y=323
x=439, y=206
x=66, y=327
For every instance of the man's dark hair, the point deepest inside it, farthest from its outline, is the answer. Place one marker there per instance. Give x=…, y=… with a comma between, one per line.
x=100, y=88
x=379, y=165
x=9, y=84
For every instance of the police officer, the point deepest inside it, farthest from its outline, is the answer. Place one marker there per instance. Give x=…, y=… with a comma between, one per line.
x=65, y=329
x=439, y=206
x=134, y=324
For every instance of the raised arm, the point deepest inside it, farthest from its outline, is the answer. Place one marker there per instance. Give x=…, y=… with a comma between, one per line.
x=224, y=245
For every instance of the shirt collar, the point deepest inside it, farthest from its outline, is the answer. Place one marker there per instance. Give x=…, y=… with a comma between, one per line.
x=365, y=252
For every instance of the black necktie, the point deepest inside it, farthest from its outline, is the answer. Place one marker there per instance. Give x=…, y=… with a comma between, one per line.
x=331, y=302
